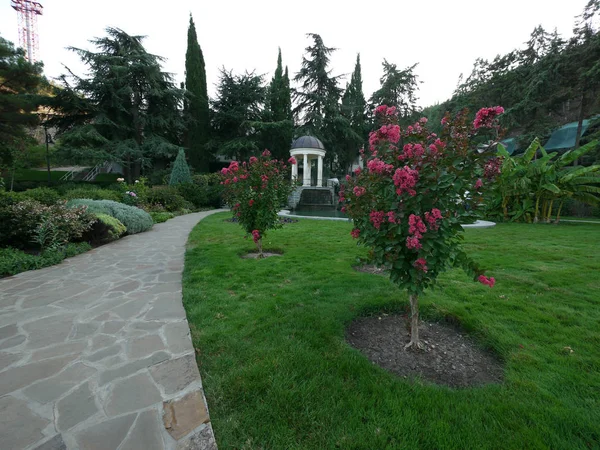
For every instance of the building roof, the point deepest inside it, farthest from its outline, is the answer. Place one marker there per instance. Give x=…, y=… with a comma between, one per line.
x=308, y=142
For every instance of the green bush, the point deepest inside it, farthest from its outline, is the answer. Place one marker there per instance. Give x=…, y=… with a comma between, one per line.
x=165, y=196
x=105, y=229
x=160, y=217
x=159, y=177
x=13, y=261
x=193, y=194
x=92, y=193
x=180, y=174
x=210, y=185
x=44, y=195
x=136, y=220
x=29, y=223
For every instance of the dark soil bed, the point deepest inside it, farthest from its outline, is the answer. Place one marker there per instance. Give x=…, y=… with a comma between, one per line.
x=449, y=358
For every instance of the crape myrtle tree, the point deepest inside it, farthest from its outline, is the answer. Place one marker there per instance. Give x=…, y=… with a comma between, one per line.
x=126, y=109
x=318, y=107
x=19, y=100
x=255, y=190
x=196, y=110
x=407, y=204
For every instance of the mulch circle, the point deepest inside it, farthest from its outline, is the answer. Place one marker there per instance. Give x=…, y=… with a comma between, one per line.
x=450, y=357
x=254, y=255
x=372, y=268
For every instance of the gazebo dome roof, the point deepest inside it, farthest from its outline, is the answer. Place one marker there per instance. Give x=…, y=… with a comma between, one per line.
x=308, y=142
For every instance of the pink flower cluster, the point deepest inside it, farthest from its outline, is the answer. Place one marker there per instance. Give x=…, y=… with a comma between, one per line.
x=492, y=168
x=255, y=235
x=384, y=110
x=377, y=218
x=359, y=190
x=292, y=160
x=487, y=281
x=253, y=159
x=378, y=166
x=420, y=264
x=266, y=153
x=233, y=167
x=405, y=180
x=416, y=229
x=485, y=117
x=478, y=184
x=355, y=233
x=390, y=132
x=432, y=218
x=391, y=215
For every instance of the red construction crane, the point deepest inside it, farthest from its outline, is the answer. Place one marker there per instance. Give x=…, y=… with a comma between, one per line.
x=28, y=35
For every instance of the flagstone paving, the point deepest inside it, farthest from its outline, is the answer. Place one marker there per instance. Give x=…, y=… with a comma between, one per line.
x=95, y=353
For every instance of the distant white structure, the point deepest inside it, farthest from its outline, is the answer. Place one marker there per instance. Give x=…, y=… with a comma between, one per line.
x=307, y=149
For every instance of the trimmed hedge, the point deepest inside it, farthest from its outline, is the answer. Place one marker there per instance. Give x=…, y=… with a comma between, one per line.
x=136, y=220
x=94, y=193
x=160, y=217
x=44, y=195
x=105, y=229
x=14, y=261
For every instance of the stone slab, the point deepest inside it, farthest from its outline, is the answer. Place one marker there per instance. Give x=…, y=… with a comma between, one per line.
x=54, y=387
x=131, y=394
x=184, y=415
x=202, y=440
x=132, y=367
x=106, y=435
x=8, y=331
x=145, y=434
x=6, y=359
x=178, y=337
x=18, y=377
x=144, y=346
x=56, y=443
x=75, y=407
x=19, y=426
x=176, y=374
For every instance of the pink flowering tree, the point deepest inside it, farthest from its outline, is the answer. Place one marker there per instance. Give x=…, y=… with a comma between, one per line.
x=256, y=190
x=408, y=204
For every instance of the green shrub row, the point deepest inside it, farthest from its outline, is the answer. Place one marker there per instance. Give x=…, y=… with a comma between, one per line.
x=13, y=261
x=135, y=219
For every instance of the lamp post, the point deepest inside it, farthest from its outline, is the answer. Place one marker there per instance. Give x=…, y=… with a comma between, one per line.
x=48, y=142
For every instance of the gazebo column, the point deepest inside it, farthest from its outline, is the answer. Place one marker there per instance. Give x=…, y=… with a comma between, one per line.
x=306, y=181
x=320, y=172
x=295, y=171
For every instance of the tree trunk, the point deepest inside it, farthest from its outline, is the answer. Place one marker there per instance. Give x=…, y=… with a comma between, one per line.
x=414, y=323
x=549, y=212
x=558, y=212
x=260, y=249
x=580, y=124
x=537, y=210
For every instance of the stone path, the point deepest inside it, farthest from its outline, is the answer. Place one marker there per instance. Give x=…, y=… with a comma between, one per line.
x=95, y=353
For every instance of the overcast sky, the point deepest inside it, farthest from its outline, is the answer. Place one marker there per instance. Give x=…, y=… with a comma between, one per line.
x=444, y=37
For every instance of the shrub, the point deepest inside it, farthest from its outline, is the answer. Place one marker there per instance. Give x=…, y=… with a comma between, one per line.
x=211, y=187
x=44, y=195
x=193, y=194
x=91, y=193
x=180, y=174
x=160, y=217
x=407, y=203
x=135, y=219
x=28, y=222
x=256, y=190
x=104, y=229
x=13, y=261
x=165, y=196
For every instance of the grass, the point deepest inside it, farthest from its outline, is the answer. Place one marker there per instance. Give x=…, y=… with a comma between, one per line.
x=34, y=175
x=278, y=374
x=587, y=219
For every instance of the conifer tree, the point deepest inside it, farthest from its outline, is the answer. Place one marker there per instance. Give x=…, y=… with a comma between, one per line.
x=197, y=112
x=180, y=174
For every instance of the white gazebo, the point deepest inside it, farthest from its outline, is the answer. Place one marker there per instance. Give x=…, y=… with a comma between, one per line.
x=305, y=149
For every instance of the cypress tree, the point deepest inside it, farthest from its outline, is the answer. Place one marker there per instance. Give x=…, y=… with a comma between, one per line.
x=197, y=113
x=180, y=174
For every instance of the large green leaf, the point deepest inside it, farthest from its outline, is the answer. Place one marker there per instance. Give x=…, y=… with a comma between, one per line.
x=531, y=150
x=572, y=155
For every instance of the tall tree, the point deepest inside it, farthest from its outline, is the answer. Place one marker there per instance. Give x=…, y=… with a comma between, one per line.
x=19, y=83
x=398, y=88
x=126, y=111
x=354, y=108
x=197, y=110
x=278, y=125
x=318, y=106
x=238, y=114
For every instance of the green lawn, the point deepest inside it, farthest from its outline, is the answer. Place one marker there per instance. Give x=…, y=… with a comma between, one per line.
x=279, y=375
x=34, y=175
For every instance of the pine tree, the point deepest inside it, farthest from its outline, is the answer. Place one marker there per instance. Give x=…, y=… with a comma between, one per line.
x=126, y=111
x=354, y=108
x=197, y=112
x=398, y=88
x=278, y=126
x=180, y=174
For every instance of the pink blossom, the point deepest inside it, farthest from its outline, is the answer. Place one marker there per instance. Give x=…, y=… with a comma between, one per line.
x=266, y=153
x=381, y=109
x=413, y=243
x=444, y=120
x=357, y=171
x=487, y=281
x=355, y=233
x=343, y=209
x=224, y=171
x=485, y=117
x=253, y=159
x=376, y=218
x=478, y=184
x=235, y=179
x=251, y=202
x=264, y=178
x=416, y=225
x=433, y=217
x=405, y=180
x=255, y=235
x=234, y=166
x=378, y=166
x=359, y=190
x=420, y=264
x=292, y=160
x=423, y=120
x=391, y=215
x=348, y=178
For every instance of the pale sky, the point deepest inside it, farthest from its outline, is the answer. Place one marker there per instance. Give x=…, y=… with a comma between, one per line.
x=444, y=37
